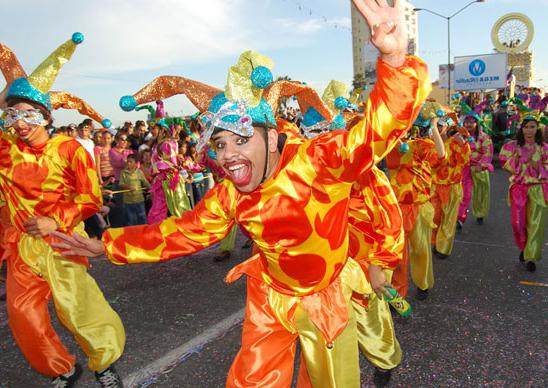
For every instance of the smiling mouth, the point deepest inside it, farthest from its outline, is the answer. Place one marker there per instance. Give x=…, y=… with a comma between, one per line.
x=239, y=172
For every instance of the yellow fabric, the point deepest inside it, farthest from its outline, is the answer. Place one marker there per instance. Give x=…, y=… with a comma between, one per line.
x=420, y=248
x=333, y=90
x=376, y=334
x=79, y=303
x=352, y=278
x=239, y=85
x=227, y=245
x=336, y=366
x=44, y=75
x=481, y=193
x=445, y=236
x=536, y=223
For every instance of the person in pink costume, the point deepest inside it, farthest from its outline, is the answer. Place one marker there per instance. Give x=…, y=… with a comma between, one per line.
x=526, y=159
x=475, y=176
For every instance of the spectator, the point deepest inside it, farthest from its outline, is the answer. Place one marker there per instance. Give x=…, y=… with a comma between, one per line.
x=118, y=156
x=133, y=179
x=72, y=130
x=137, y=137
x=199, y=183
x=102, y=158
x=84, y=137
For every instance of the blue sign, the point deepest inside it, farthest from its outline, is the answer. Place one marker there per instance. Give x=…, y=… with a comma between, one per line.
x=476, y=67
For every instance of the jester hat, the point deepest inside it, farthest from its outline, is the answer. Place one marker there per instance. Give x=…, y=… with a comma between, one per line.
x=316, y=114
x=36, y=87
x=335, y=98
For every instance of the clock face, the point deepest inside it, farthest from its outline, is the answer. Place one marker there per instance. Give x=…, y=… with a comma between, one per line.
x=512, y=33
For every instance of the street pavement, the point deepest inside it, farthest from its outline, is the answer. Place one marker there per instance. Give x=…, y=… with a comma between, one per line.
x=479, y=327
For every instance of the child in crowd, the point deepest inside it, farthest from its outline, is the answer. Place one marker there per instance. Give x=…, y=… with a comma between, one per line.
x=133, y=179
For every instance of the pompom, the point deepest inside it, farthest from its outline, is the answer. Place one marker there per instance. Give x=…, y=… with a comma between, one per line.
x=106, y=123
x=341, y=103
x=404, y=148
x=504, y=103
x=440, y=113
x=470, y=139
x=128, y=103
x=261, y=77
x=77, y=37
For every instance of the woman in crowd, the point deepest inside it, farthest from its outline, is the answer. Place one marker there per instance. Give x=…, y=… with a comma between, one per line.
x=118, y=156
x=526, y=159
x=102, y=158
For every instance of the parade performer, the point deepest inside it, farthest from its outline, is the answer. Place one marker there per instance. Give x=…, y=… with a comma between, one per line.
x=375, y=224
x=294, y=205
x=476, y=183
x=50, y=184
x=447, y=187
x=410, y=168
x=526, y=159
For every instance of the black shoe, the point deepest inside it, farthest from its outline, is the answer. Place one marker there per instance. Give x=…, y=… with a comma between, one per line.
x=222, y=257
x=421, y=294
x=459, y=225
x=530, y=266
x=248, y=244
x=521, y=257
x=381, y=378
x=439, y=255
x=480, y=220
x=64, y=381
x=109, y=378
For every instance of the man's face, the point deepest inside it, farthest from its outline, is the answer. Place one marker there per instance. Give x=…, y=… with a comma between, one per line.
x=27, y=132
x=139, y=130
x=242, y=158
x=85, y=132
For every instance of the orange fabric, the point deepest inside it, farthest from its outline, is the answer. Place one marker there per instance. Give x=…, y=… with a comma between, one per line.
x=457, y=156
x=400, y=278
x=411, y=173
x=440, y=198
x=295, y=215
x=267, y=354
x=27, y=297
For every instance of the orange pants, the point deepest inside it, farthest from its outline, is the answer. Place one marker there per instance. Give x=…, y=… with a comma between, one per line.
x=80, y=306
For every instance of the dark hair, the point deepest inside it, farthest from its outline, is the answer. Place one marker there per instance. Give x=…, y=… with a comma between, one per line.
x=86, y=123
x=132, y=157
x=139, y=123
x=520, y=138
x=12, y=101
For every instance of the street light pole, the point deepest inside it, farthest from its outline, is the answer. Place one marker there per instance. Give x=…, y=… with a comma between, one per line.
x=448, y=18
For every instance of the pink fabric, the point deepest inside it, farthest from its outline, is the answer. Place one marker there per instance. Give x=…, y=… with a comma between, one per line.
x=158, y=210
x=118, y=160
x=518, y=207
x=481, y=152
x=466, y=193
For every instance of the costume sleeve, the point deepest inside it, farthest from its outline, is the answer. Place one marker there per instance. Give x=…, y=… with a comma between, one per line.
x=390, y=110
x=387, y=249
x=433, y=158
x=87, y=200
x=543, y=173
x=486, y=153
x=393, y=159
x=509, y=158
x=208, y=223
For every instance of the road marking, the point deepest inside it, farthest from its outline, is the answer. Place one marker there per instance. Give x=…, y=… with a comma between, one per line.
x=484, y=244
x=150, y=373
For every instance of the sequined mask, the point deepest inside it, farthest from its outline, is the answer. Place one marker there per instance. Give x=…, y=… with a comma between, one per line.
x=31, y=117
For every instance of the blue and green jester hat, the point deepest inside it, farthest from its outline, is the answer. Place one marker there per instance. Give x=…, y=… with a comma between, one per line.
x=36, y=87
x=241, y=106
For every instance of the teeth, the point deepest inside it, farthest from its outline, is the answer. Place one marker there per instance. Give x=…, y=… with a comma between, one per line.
x=236, y=167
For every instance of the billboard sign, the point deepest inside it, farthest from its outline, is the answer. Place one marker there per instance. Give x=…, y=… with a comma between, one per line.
x=480, y=72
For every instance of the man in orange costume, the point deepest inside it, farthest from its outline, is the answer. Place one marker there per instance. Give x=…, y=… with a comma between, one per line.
x=50, y=184
x=411, y=177
x=294, y=205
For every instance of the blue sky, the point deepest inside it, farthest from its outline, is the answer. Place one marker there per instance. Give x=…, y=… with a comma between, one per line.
x=130, y=42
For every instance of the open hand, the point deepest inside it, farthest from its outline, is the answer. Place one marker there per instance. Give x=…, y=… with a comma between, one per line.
x=387, y=28
x=77, y=245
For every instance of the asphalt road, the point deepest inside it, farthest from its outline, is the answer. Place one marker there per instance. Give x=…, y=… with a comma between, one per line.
x=479, y=327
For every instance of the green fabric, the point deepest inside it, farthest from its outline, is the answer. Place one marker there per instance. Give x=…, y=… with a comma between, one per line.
x=134, y=179
x=481, y=193
x=227, y=245
x=536, y=223
x=177, y=200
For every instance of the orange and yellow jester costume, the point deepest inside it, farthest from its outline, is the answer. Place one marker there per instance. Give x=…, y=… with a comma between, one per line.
x=301, y=282
x=411, y=177
x=447, y=193
x=56, y=179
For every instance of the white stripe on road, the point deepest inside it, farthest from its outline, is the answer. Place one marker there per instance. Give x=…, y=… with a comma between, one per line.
x=149, y=374
x=483, y=244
